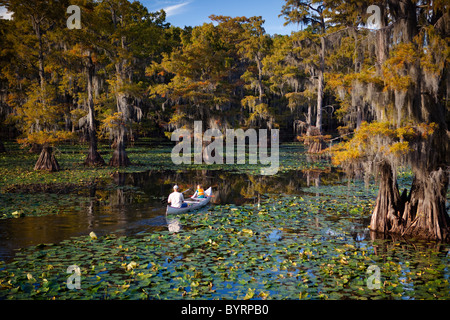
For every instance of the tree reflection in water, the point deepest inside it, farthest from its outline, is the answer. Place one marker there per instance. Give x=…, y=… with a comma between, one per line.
x=134, y=202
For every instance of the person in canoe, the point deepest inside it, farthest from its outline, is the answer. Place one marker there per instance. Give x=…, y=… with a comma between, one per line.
x=176, y=199
x=199, y=193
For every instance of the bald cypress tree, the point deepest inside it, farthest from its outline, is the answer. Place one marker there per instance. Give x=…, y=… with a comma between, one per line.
x=34, y=98
x=407, y=88
x=312, y=15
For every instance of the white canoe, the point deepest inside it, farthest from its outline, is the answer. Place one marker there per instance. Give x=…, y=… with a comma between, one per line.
x=194, y=204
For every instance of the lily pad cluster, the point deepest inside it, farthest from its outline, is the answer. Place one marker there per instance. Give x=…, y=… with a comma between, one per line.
x=287, y=247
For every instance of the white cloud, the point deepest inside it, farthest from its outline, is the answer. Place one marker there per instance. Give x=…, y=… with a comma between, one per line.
x=175, y=9
x=5, y=14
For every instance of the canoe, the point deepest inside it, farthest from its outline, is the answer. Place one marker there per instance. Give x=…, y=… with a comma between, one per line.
x=194, y=204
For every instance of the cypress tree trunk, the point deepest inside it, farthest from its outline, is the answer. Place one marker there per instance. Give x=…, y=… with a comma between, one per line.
x=420, y=214
x=47, y=160
x=320, y=85
x=385, y=216
x=119, y=157
x=260, y=75
x=36, y=22
x=314, y=140
x=425, y=215
x=93, y=158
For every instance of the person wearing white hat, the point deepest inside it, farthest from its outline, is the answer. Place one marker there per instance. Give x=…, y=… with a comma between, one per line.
x=176, y=199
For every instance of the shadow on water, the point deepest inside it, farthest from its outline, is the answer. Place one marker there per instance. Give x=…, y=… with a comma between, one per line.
x=136, y=202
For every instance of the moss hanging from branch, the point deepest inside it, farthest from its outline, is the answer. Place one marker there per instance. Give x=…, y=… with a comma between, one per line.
x=406, y=88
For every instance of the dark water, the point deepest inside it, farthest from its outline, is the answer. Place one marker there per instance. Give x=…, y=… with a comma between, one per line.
x=136, y=203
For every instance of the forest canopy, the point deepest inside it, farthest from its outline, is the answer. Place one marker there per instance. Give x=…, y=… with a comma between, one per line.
x=126, y=61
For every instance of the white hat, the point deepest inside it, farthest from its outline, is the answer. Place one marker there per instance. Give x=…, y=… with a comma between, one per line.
x=175, y=187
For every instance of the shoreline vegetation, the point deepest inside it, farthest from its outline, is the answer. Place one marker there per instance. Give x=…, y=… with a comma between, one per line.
x=19, y=174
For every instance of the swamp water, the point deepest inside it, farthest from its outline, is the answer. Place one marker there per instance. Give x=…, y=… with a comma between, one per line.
x=131, y=203
x=296, y=235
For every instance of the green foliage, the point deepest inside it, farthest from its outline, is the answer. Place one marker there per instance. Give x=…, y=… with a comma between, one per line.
x=308, y=13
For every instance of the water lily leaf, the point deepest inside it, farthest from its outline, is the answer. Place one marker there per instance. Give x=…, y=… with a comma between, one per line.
x=250, y=293
x=131, y=265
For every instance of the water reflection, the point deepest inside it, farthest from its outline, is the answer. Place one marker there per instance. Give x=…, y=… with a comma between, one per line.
x=136, y=202
x=173, y=225
x=387, y=243
x=275, y=235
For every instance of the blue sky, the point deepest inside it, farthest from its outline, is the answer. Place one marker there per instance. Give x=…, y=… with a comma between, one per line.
x=193, y=13
x=4, y=14
x=182, y=13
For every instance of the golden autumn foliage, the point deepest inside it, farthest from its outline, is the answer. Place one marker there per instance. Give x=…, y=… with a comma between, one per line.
x=47, y=137
x=311, y=139
x=337, y=81
x=113, y=122
x=435, y=53
x=404, y=55
x=380, y=139
x=427, y=49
